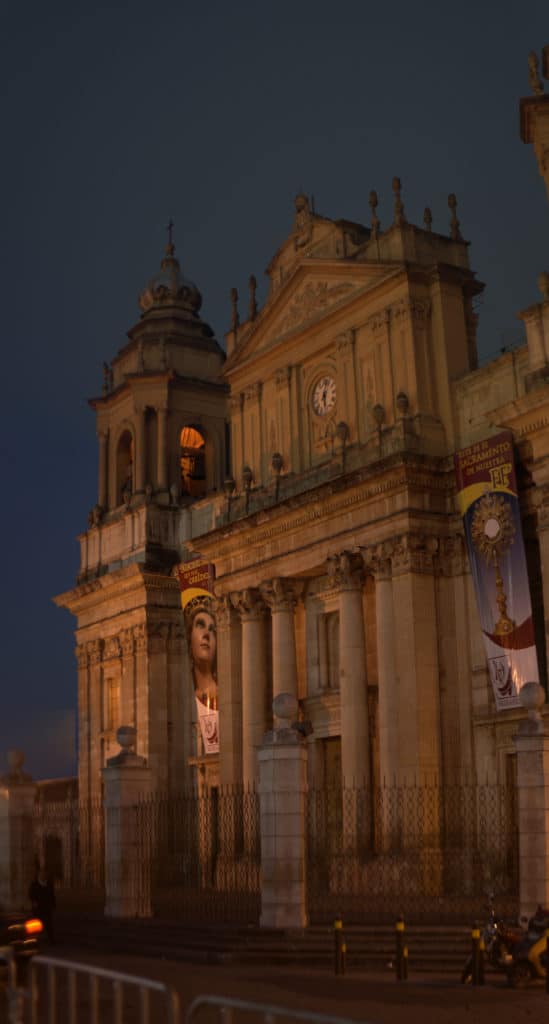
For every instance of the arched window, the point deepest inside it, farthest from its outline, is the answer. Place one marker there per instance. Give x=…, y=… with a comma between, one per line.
x=192, y=462
x=124, y=466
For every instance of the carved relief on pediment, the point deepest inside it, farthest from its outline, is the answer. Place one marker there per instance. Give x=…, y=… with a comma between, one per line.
x=311, y=300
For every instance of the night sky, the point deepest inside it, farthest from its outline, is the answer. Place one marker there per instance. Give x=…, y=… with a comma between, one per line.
x=116, y=117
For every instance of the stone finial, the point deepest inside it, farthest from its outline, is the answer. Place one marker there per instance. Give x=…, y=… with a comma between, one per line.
x=252, y=309
x=543, y=285
x=285, y=708
x=170, y=248
x=235, y=319
x=536, y=83
x=126, y=736
x=400, y=217
x=427, y=219
x=16, y=760
x=375, y=222
x=455, y=233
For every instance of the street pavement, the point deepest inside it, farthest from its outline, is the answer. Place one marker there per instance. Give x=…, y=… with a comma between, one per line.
x=373, y=997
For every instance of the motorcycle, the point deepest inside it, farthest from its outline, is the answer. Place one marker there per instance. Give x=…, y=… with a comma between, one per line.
x=499, y=939
x=529, y=960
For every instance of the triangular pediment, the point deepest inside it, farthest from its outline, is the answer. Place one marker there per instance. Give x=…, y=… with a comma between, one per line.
x=315, y=288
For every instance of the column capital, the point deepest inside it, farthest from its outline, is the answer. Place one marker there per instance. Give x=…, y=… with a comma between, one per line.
x=81, y=656
x=281, y=593
x=346, y=570
x=414, y=552
x=225, y=611
x=94, y=650
x=249, y=604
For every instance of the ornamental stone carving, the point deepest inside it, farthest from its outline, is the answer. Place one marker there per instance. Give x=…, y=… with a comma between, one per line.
x=414, y=552
x=311, y=300
x=413, y=309
x=281, y=593
x=344, y=342
x=248, y=603
x=81, y=656
x=346, y=570
x=253, y=392
x=127, y=642
x=236, y=402
x=378, y=322
x=140, y=637
x=540, y=500
x=112, y=648
x=94, y=650
x=283, y=377
x=224, y=612
x=452, y=556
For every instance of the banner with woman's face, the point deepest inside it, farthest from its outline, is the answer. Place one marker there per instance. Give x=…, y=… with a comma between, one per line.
x=198, y=604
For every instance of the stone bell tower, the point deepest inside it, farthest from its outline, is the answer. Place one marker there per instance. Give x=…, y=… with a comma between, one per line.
x=161, y=426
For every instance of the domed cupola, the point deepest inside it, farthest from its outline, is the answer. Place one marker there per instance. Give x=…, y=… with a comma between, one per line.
x=170, y=288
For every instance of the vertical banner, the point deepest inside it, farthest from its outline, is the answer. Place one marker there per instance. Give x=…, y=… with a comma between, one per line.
x=488, y=500
x=198, y=604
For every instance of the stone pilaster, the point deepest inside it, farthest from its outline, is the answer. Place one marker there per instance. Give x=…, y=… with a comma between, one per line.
x=229, y=667
x=17, y=797
x=388, y=683
x=282, y=794
x=346, y=571
x=139, y=454
x=416, y=656
x=281, y=595
x=161, y=450
x=103, y=436
x=254, y=678
x=129, y=831
x=532, y=746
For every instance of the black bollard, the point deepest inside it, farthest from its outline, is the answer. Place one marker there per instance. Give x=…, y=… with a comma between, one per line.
x=401, y=960
x=338, y=946
x=475, y=955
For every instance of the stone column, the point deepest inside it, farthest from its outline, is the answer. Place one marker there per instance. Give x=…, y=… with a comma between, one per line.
x=346, y=572
x=139, y=454
x=254, y=679
x=282, y=796
x=532, y=745
x=388, y=687
x=281, y=595
x=17, y=867
x=103, y=436
x=161, y=450
x=229, y=672
x=129, y=831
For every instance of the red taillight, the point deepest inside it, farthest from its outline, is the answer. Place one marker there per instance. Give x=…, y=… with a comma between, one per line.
x=33, y=926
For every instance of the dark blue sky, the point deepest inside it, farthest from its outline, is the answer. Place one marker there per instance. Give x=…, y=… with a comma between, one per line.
x=116, y=117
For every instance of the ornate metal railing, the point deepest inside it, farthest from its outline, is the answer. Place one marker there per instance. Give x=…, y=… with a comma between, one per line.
x=204, y=851
x=428, y=852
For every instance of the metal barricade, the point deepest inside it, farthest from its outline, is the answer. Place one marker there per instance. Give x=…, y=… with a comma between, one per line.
x=116, y=985
x=229, y=1009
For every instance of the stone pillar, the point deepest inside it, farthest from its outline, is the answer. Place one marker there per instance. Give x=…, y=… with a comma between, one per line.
x=140, y=453
x=532, y=745
x=388, y=688
x=254, y=679
x=129, y=831
x=282, y=795
x=17, y=866
x=103, y=436
x=281, y=596
x=161, y=450
x=229, y=671
x=346, y=572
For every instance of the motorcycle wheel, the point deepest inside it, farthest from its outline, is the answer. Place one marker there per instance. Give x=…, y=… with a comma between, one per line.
x=519, y=974
x=467, y=972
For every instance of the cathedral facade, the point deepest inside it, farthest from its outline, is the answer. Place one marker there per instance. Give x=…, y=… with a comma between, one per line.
x=310, y=474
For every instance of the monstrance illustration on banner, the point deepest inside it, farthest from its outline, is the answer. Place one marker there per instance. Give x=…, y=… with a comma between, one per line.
x=488, y=499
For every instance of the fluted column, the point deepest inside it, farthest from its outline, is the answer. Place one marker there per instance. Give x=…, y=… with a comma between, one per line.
x=281, y=595
x=347, y=573
x=254, y=679
x=161, y=449
x=139, y=455
x=229, y=664
x=388, y=690
x=103, y=436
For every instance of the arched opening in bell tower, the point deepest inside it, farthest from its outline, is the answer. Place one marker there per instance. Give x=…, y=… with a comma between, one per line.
x=192, y=460
x=124, y=466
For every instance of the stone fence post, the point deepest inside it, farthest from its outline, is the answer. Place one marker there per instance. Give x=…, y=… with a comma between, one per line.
x=532, y=746
x=282, y=796
x=129, y=831
x=17, y=864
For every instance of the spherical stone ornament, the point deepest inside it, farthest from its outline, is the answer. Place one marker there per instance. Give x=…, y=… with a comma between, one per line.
x=125, y=737
x=532, y=697
x=285, y=707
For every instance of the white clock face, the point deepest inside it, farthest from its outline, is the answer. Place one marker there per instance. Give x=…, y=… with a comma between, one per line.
x=324, y=395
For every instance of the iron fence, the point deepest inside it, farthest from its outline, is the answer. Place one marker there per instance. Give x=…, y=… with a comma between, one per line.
x=69, y=840
x=204, y=853
x=429, y=852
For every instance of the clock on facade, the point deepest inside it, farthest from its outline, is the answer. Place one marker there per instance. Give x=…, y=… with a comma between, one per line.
x=324, y=395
